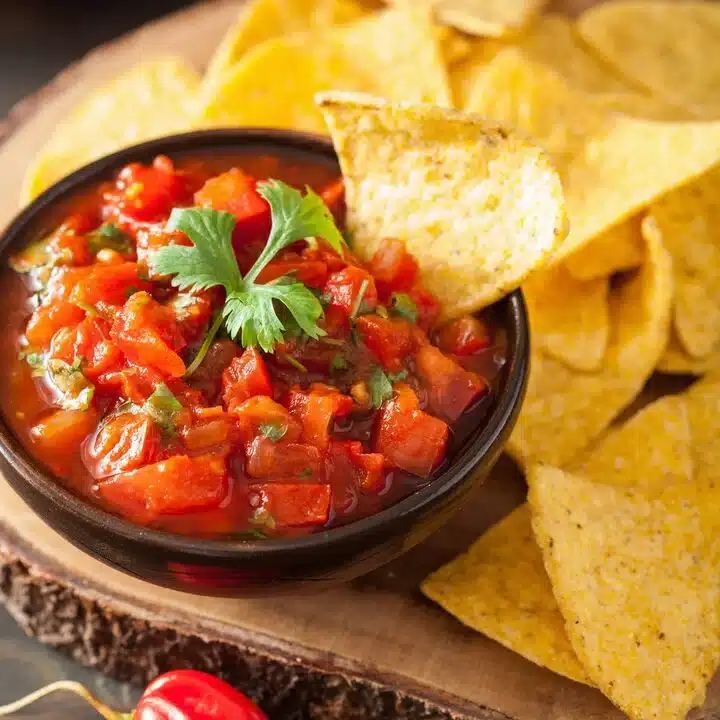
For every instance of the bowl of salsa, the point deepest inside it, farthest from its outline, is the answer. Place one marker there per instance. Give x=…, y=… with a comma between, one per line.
x=206, y=387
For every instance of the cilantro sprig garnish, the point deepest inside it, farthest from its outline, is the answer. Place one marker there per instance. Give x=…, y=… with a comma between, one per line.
x=250, y=313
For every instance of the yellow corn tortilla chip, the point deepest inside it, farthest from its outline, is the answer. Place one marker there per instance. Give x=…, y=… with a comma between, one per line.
x=394, y=53
x=261, y=20
x=500, y=588
x=675, y=361
x=612, y=165
x=478, y=205
x=463, y=75
x=616, y=250
x=565, y=409
x=492, y=18
x=688, y=219
x=638, y=583
x=651, y=451
x=569, y=318
x=150, y=100
x=666, y=47
x=703, y=404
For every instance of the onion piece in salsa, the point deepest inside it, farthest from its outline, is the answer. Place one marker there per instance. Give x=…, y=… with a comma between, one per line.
x=198, y=350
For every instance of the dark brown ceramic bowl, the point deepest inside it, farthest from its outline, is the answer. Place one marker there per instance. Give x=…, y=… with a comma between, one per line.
x=236, y=568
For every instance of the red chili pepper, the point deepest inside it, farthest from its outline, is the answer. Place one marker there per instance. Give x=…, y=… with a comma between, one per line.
x=193, y=695
x=176, y=695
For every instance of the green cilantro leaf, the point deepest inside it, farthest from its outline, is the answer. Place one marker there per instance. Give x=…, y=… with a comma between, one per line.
x=111, y=237
x=273, y=432
x=402, y=304
x=162, y=406
x=75, y=391
x=339, y=363
x=398, y=376
x=210, y=261
x=380, y=387
x=251, y=309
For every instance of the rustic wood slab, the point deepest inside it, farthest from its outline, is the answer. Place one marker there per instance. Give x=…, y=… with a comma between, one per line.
x=372, y=649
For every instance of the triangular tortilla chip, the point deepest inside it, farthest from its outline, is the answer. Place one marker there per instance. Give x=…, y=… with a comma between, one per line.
x=638, y=583
x=703, y=403
x=688, y=219
x=150, y=100
x=394, y=53
x=564, y=409
x=616, y=250
x=569, y=318
x=612, y=165
x=675, y=361
x=478, y=206
x=666, y=47
x=500, y=588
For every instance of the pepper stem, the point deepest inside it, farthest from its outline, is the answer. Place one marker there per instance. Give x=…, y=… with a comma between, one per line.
x=64, y=686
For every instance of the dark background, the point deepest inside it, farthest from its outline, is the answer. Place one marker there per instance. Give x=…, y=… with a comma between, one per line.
x=38, y=38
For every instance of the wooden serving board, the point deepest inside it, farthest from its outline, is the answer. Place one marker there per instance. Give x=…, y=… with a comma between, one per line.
x=371, y=649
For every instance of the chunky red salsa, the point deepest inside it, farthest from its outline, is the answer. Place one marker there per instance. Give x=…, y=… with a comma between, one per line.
x=199, y=351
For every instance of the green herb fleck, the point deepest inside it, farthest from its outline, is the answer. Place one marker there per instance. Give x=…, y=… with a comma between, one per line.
x=294, y=362
x=398, y=376
x=35, y=359
x=306, y=472
x=402, y=304
x=162, y=406
x=110, y=237
x=380, y=387
x=273, y=432
x=339, y=363
x=74, y=389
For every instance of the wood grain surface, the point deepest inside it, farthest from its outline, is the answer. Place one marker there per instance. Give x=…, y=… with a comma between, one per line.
x=371, y=649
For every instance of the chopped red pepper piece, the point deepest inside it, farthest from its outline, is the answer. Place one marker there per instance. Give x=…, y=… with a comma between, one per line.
x=409, y=438
x=90, y=343
x=109, y=285
x=312, y=273
x=352, y=290
x=293, y=505
x=262, y=410
x=283, y=460
x=245, y=377
x=48, y=319
x=317, y=409
x=389, y=339
x=465, y=336
x=452, y=389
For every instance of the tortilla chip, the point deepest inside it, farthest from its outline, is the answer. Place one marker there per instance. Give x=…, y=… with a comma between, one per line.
x=150, y=100
x=651, y=451
x=394, y=53
x=608, y=161
x=675, y=361
x=500, y=588
x=616, y=250
x=638, y=582
x=689, y=221
x=492, y=18
x=565, y=409
x=666, y=47
x=569, y=318
x=703, y=404
x=463, y=75
x=478, y=205
x=261, y=20
x=456, y=47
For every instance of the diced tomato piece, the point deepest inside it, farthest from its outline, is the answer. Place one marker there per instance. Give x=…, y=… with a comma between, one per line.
x=452, y=389
x=427, y=304
x=89, y=341
x=192, y=312
x=465, y=336
x=317, y=409
x=394, y=268
x=292, y=504
x=389, y=339
x=263, y=410
x=236, y=193
x=150, y=239
x=245, y=377
x=62, y=282
x=333, y=196
x=133, y=383
x=109, y=285
x=368, y=469
x=148, y=334
x=344, y=288
x=267, y=459
x=149, y=192
x=409, y=438
x=48, y=319
x=177, y=485
x=311, y=273
x=209, y=435
x=123, y=442
x=62, y=432
x=72, y=249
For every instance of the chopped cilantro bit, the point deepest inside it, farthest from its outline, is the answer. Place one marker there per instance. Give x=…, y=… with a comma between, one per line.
x=294, y=362
x=306, y=472
x=34, y=358
x=111, y=237
x=402, y=304
x=355, y=336
x=162, y=406
x=339, y=363
x=75, y=391
x=398, y=376
x=380, y=387
x=207, y=342
x=89, y=309
x=273, y=432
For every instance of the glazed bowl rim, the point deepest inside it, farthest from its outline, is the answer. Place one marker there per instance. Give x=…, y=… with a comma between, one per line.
x=486, y=441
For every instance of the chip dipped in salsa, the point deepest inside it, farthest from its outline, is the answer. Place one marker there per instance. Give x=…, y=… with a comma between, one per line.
x=195, y=347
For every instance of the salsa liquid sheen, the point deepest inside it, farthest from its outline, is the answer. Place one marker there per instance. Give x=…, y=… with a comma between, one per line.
x=284, y=449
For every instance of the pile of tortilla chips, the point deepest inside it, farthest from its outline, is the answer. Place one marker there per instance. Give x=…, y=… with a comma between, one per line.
x=609, y=575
